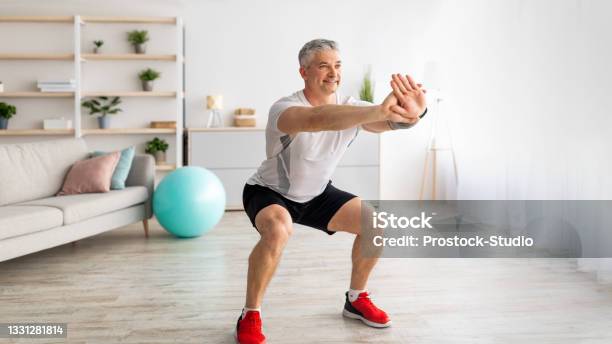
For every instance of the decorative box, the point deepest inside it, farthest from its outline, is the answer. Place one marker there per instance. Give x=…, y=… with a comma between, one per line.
x=57, y=123
x=164, y=124
x=244, y=121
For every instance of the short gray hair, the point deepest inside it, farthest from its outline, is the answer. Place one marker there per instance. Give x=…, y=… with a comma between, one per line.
x=313, y=46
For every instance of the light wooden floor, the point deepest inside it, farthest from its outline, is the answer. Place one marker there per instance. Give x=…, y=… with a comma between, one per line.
x=119, y=287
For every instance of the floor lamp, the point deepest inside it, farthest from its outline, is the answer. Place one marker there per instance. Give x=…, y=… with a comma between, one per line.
x=434, y=147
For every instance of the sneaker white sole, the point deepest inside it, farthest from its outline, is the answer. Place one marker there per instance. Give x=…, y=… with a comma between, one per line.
x=364, y=320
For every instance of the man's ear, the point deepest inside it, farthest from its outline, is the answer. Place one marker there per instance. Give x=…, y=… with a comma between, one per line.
x=303, y=72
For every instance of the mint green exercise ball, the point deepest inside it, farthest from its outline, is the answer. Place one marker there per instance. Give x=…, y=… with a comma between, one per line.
x=189, y=202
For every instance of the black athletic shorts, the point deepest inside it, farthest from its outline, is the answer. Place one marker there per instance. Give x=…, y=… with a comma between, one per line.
x=315, y=213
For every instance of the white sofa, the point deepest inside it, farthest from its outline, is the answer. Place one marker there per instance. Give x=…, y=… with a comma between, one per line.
x=32, y=218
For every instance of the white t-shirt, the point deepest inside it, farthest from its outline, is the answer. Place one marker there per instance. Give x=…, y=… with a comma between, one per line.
x=299, y=168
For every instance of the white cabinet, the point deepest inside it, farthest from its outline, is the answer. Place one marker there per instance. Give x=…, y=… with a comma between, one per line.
x=234, y=154
x=231, y=149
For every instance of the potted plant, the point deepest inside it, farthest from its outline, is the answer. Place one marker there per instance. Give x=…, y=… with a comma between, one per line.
x=157, y=147
x=367, y=90
x=147, y=77
x=138, y=40
x=104, y=106
x=6, y=112
x=97, y=46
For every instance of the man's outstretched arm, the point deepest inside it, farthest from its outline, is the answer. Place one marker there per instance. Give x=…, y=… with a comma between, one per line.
x=327, y=117
x=377, y=127
x=339, y=117
x=382, y=126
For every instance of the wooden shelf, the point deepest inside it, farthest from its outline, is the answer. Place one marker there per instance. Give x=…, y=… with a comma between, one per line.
x=131, y=57
x=36, y=56
x=36, y=94
x=88, y=19
x=77, y=56
x=129, y=94
x=36, y=19
x=36, y=132
x=112, y=131
x=134, y=20
x=194, y=130
x=122, y=131
x=165, y=167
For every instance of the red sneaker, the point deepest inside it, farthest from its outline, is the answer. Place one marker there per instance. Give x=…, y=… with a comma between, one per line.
x=363, y=309
x=248, y=329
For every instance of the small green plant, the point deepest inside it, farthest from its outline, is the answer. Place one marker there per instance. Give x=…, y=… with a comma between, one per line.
x=156, y=145
x=138, y=37
x=7, y=110
x=103, y=105
x=149, y=74
x=98, y=43
x=367, y=90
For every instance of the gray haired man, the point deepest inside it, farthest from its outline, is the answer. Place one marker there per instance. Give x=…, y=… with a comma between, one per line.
x=306, y=135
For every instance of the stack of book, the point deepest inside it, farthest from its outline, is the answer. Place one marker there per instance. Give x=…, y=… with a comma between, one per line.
x=57, y=86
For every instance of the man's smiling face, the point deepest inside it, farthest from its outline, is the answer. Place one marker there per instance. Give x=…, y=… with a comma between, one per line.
x=322, y=74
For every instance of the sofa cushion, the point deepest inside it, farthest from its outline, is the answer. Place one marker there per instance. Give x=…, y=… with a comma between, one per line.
x=90, y=175
x=30, y=171
x=77, y=208
x=123, y=167
x=19, y=220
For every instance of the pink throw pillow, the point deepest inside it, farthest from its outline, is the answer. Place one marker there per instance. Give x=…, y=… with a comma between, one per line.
x=91, y=175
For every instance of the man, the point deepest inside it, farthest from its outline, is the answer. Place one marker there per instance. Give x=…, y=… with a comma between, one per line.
x=306, y=135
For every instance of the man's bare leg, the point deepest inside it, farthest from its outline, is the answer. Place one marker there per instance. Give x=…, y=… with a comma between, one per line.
x=358, y=304
x=362, y=266
x=275, y=226
x=348, y=219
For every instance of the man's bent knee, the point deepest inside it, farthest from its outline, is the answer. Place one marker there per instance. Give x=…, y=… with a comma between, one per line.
x=275, y=226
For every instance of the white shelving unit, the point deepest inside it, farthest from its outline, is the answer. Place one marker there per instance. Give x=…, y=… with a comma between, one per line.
x=78, y=58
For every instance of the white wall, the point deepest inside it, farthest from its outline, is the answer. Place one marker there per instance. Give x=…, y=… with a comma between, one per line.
x=525, y=82
x=526, y=85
